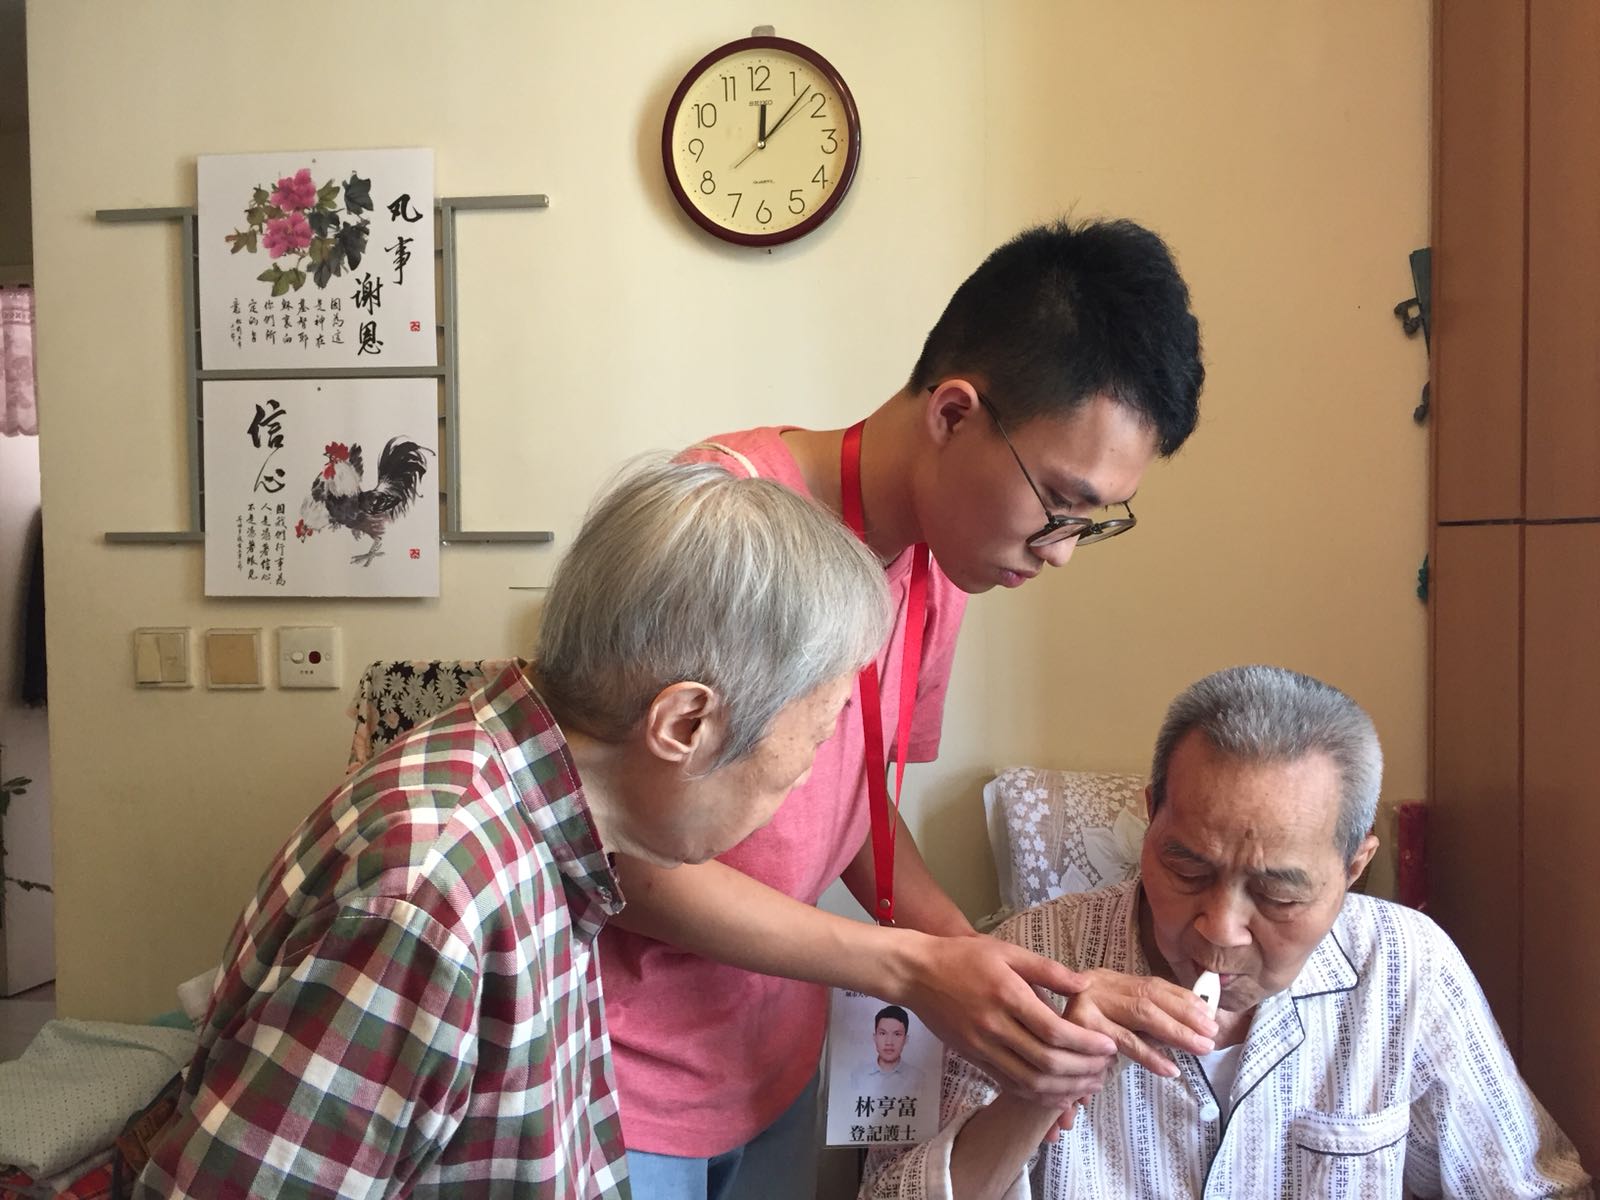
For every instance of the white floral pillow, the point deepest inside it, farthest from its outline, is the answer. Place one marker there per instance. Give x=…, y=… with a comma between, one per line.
x=1054, y=832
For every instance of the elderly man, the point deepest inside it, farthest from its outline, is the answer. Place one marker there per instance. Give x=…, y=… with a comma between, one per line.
x=1355, y=1056
x=411, y=1005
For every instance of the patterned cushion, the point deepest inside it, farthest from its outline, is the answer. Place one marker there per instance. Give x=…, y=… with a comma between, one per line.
x=1062, y=831
x=395, y=697
x=70, y=1093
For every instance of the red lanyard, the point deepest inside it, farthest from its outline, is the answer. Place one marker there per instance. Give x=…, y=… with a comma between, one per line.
x=884, y=810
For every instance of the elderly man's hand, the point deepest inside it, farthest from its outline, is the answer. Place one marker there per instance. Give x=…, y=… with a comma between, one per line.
x=1117, y=1004
x=978, y=995
x=1136, y=1010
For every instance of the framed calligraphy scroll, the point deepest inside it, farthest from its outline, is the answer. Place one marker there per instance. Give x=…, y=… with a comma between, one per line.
x=318, y=258
x=322, y=487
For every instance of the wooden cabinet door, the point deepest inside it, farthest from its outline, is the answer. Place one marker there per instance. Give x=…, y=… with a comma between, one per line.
x=1561, y=828
x=1563, y=398
x=1474, y=869
x=1480, y=84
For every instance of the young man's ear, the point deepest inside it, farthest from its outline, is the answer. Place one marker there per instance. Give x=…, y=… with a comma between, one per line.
x=683, y=724
x=947, y=407
x=1149, y=807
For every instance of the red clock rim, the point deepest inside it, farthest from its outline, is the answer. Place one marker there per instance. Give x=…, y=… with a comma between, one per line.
x=852, y=151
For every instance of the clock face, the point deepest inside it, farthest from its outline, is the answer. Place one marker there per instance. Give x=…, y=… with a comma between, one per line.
x=761, y=141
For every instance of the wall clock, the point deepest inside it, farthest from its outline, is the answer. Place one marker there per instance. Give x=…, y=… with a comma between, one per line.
x=761, y=141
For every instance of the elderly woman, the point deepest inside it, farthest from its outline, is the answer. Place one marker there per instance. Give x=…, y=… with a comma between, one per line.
x=411, y=1004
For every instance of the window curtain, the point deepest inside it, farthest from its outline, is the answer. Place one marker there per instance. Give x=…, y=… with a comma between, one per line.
x=19, y=410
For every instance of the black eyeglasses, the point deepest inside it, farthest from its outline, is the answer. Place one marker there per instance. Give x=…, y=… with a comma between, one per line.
x=1059, y=528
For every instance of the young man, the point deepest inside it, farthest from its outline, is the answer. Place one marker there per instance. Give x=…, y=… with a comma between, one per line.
x=1356, y=1054
x=1058, y=372
x=411, y=1005
x=888, y=1073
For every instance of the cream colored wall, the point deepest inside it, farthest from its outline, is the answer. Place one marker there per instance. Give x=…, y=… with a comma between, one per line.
x=1281, y=148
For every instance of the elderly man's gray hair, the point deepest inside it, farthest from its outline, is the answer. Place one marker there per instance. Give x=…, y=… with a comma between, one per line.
x=684, y=572
x=1269, y=714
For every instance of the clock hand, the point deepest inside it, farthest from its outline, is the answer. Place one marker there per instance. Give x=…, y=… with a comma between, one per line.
x=789, y=110
x=761, y=137
x=766, y=134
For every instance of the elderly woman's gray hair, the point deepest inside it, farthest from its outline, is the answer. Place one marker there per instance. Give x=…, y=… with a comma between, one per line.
x=684, y=572
x=1269, y=714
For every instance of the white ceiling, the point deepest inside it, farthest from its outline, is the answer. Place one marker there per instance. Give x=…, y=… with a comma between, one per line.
x=13, y=67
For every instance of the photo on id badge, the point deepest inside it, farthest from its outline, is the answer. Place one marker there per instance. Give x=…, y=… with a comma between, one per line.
x=883, y=1073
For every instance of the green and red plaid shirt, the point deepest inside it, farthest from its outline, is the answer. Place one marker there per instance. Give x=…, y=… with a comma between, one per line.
x=411, y=1004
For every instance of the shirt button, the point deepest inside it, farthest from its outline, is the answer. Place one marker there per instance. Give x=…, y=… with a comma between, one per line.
x=1209, y=1111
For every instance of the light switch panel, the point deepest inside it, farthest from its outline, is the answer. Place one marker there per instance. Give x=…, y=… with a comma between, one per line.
x=233, y=658
x=309, y=656
x=161, y=657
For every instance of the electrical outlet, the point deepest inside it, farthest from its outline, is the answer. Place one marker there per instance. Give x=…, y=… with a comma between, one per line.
x=308, y=656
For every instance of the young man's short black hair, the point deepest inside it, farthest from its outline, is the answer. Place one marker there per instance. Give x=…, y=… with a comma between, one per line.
x=894, y=1012
x=1063, y=313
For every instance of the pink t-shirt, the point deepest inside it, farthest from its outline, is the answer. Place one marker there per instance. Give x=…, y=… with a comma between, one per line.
x=708, y=1055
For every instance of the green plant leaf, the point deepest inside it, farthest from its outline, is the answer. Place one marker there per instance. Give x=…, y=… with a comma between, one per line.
x=352, y=241
x=297, y=278
x=259, y=196
x=282, y=285
x=322, y=223
x=318, y=250
x=271, y=275
x=274, y=213
x=257, y=216
x=357, y=195
x=328, y=196
x=250, y=240
x=235, y=242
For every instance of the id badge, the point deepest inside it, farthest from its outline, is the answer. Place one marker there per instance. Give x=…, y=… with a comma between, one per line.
x=884, y=1072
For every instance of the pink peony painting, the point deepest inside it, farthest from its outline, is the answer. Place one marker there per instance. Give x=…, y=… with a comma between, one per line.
x=312, y=234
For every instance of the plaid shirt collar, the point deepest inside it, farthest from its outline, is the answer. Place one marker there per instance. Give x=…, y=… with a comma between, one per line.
x=535, y=756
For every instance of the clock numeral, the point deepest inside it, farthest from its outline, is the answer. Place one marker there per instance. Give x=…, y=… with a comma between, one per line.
x=696, y=147
x=763, y=213
x=763, y=74
x=737, y=196
x=795, y=198
x=708, y=185
x=822, y=103
x=730, y=87
x=794, y=84
x=832, y=143
x=705, y=115
x=821, y=176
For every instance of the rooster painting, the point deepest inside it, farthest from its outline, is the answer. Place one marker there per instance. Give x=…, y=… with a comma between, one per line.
x=338, y=500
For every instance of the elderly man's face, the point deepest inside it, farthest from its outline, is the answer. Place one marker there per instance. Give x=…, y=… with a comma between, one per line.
x=1240, y=872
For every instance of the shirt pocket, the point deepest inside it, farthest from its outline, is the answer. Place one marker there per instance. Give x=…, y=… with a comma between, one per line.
x=1350, y=1157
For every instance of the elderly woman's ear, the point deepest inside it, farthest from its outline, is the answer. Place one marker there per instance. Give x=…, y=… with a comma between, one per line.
x=684, y=725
